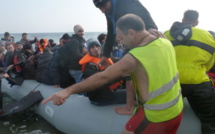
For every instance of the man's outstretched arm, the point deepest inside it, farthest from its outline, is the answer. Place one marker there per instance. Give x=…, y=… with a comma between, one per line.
x=126, y=65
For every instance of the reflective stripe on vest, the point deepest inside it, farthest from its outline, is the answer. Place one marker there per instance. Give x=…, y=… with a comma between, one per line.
x=164, y=88
x=163, y=106
x=168, y=86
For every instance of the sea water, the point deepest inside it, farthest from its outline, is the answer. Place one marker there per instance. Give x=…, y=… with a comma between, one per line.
x=27, y=122
x=54, y=36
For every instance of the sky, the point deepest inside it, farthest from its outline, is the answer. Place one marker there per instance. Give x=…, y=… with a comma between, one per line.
x=42, y=16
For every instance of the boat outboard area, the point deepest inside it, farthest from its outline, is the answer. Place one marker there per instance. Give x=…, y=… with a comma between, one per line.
x=78, y=116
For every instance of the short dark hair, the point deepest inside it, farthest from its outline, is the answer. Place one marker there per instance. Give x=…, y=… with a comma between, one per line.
x=51, y=40
x=24, y=34
x=130, y=21
x=6, y=34
x=18, y=43
x=191, y=15
x=27, y=46
x=66, y=36
x=101, y=37
x=42, y=41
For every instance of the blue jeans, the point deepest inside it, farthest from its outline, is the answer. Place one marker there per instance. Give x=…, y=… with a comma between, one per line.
x=76, y=74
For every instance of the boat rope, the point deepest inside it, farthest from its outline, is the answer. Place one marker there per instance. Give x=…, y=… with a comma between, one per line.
x=35, y=88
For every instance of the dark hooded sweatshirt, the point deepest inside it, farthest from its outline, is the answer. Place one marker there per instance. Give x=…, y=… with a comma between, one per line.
x=72, y=52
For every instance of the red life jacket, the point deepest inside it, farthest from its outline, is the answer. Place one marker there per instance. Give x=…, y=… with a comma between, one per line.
x=90, y=59
x=15, y=61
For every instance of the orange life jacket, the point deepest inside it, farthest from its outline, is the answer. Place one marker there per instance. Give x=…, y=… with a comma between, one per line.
x=41, y=47
x=90, y=59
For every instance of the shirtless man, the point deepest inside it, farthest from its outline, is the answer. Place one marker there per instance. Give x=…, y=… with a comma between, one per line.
x=156, y=84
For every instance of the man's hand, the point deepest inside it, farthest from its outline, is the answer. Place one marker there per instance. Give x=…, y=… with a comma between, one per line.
x=104, y=62
x=6, y=75
x=58, y=98
x=156, y=33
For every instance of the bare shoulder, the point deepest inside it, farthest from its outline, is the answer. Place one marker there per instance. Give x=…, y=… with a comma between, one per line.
x=127, y=64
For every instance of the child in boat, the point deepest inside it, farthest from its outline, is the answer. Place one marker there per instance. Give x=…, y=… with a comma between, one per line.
x=107, y=94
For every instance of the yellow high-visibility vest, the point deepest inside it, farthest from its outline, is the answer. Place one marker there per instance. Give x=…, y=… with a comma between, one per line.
x=165, y=100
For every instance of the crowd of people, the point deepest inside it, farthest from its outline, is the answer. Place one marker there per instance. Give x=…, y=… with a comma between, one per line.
x=57, y=65
x=156, y=69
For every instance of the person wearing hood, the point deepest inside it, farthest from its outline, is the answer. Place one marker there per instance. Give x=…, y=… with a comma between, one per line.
x=195, y=50
x=107, y=94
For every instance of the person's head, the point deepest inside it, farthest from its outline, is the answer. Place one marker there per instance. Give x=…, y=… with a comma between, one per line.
x=24, y=36
x=212, y=33
x=12, y=38
x=18, y=46
x=94, y=48
x=65, y=38
x=51, y=41
x=43, y=42
x=129, y=28
x=102, y=38
x=7, y=35
x=104, y=5
x=60, y=42
x=78, y=30
x=191, y=17
x=10, y=48
x=28, y=47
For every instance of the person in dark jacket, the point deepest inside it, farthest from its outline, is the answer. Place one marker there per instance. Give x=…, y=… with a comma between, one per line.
x=23, y=55
x=72, y=52
x=25, y=39
x=9, y=56
x=20, y=59
x=29, y=71
x=42, y=64
x=113, y=10
x=55, y=74
x=7, y=38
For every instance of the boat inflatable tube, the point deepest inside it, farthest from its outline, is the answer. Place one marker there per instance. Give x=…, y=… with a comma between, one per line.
x=78, y=116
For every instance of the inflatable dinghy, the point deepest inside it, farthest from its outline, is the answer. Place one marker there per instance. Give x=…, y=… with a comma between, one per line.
x=78, y=116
